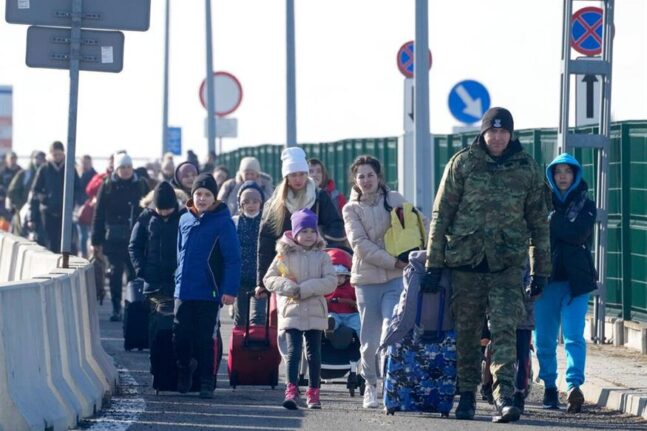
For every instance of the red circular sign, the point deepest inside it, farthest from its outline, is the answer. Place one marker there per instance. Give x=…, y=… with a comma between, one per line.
x=227, y=91
x=587, y=30
x=404, y=59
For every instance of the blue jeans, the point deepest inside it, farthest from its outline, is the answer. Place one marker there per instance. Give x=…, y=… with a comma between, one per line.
x=555, y=306
x=350, y=320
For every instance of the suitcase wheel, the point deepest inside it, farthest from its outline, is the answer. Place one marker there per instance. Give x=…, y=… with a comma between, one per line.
x=390, y=411
x=444, y=414
x=233, y=380
x=274, y=380
x=362, y=385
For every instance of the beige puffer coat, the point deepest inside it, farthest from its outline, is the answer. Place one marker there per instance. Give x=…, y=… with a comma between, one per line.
x=313, y=272
x=366, y=221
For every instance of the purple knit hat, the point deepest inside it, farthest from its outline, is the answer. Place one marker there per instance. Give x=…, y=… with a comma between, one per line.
x=303, y=219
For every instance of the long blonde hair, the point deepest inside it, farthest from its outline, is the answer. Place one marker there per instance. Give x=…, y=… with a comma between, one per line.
x=275, y=212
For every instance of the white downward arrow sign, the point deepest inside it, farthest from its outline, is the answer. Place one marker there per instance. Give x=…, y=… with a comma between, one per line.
x=473, y=107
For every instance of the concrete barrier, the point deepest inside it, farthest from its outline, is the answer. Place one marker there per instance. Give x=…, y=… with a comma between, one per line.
x=26, y=399
x=53, y=369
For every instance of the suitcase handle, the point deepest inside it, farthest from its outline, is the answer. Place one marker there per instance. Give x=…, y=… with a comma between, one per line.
x=441, y=311
x=267, y=317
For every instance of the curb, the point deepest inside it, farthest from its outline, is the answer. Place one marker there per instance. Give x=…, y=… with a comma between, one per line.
x=603, y=393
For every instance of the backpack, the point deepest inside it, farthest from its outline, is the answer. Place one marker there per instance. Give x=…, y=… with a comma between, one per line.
x=404, y=313
x=407, y=232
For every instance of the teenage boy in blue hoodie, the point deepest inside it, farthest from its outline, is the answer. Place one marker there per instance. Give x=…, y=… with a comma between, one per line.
x=207, y=275
x=564, y=301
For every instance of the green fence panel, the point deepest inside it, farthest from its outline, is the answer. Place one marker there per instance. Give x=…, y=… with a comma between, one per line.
x=627, y=233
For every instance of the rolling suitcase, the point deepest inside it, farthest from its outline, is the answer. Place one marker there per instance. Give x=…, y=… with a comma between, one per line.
x=420, y=373
x=162, y=356
x=136, y=311
x=253, y=353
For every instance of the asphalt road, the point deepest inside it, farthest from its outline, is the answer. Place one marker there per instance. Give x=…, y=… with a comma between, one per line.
x=137, y=408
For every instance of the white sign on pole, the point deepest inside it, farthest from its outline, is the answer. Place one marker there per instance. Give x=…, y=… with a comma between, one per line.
x=225, y=127
x=227, y=91
x=408, y=105
x=6, y=118
x=587, y=100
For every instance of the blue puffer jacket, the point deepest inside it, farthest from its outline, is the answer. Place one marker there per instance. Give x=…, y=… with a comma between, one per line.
x=208, y=255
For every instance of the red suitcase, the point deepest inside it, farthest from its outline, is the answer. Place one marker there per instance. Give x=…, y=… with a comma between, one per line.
x=253, y=353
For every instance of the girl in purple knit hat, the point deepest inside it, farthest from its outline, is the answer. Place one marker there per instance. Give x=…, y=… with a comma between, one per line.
x=301, y=275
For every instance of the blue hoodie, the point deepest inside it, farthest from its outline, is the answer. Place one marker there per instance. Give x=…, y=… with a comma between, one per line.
x=208, y=255
x=566, y=159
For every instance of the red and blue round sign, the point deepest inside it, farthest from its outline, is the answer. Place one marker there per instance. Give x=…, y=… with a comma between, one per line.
x=405, y=59
x=586, y=31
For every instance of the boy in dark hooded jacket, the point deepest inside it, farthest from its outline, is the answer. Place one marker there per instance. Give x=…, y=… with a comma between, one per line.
x=564, y=302
x=153, y=243
x=248, y=222
x=207, y=275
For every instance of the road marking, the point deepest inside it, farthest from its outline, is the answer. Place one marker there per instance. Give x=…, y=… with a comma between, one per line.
x=124, y=409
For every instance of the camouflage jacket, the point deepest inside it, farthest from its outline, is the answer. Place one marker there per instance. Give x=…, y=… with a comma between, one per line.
x=490, y=209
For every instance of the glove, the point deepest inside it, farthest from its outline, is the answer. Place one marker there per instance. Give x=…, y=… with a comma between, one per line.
x=536, y=286
x=430, y=282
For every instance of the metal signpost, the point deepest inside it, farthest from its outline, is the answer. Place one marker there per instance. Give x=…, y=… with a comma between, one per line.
x=75, y=49
x=468, y=100
x=291, y=92
x=590, y=31
x=415, y=155
x=6, y=118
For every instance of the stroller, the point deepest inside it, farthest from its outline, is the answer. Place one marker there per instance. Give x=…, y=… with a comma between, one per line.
x=340, y=349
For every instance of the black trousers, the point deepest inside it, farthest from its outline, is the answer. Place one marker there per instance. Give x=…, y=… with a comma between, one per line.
x=313, y=355
x=193, y=328
x=119, y=262
x=52, y=224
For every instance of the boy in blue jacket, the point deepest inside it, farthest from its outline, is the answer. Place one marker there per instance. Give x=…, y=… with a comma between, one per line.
x=207, y=275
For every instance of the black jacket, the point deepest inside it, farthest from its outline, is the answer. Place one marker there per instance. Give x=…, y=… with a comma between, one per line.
x=571, y=231
x=331, y=227
x=116, y=212
x=153, y=249
x=47, y=189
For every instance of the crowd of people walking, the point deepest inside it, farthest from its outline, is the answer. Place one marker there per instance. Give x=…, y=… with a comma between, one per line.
x=515, y=239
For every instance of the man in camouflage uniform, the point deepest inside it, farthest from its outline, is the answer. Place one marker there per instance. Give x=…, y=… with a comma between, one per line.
x=489, y=214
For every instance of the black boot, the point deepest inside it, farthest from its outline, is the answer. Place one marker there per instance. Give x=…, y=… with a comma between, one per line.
x=466, y=408
x=506, y=411
x=519, y=401
x=551, y=399
x=206, y=388
x=185, y=376
x=575, y=400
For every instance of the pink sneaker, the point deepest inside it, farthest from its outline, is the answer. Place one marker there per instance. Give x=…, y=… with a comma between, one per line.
x=291, y=397
x=312, y=398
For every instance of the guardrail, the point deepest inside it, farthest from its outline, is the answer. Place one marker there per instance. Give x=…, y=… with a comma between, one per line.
x=53, y=370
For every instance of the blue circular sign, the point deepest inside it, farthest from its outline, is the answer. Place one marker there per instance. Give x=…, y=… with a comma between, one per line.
x=586, y=31
x=468, y=100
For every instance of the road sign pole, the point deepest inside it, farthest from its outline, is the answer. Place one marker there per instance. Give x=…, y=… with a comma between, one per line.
x=68, y=186
x=211, y=103
x=424, y=165
x=291, y=103
x=165, y=108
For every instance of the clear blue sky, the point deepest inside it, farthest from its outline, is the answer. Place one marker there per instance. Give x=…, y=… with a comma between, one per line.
x=347, y=81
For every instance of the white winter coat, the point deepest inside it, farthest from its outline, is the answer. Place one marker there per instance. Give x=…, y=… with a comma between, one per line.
x=313, y=272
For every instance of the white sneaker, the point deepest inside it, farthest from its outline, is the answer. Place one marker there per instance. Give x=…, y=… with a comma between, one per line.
x=370, y=397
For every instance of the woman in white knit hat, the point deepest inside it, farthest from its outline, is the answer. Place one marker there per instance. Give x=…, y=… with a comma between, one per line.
x=248, y=170
x=296, y=191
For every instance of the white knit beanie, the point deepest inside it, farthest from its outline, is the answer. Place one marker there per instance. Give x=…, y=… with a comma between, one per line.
x=122, y=159
x=249, y=164
x=293, y=160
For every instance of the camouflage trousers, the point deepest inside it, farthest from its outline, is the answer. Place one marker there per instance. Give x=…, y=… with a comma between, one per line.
x=501, y=296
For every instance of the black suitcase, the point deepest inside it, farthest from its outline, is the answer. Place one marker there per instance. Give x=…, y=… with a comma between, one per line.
x=136, y=312
x=162, y=355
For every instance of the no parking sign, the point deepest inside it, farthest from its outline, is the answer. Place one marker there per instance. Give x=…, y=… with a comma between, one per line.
x=586, y=31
